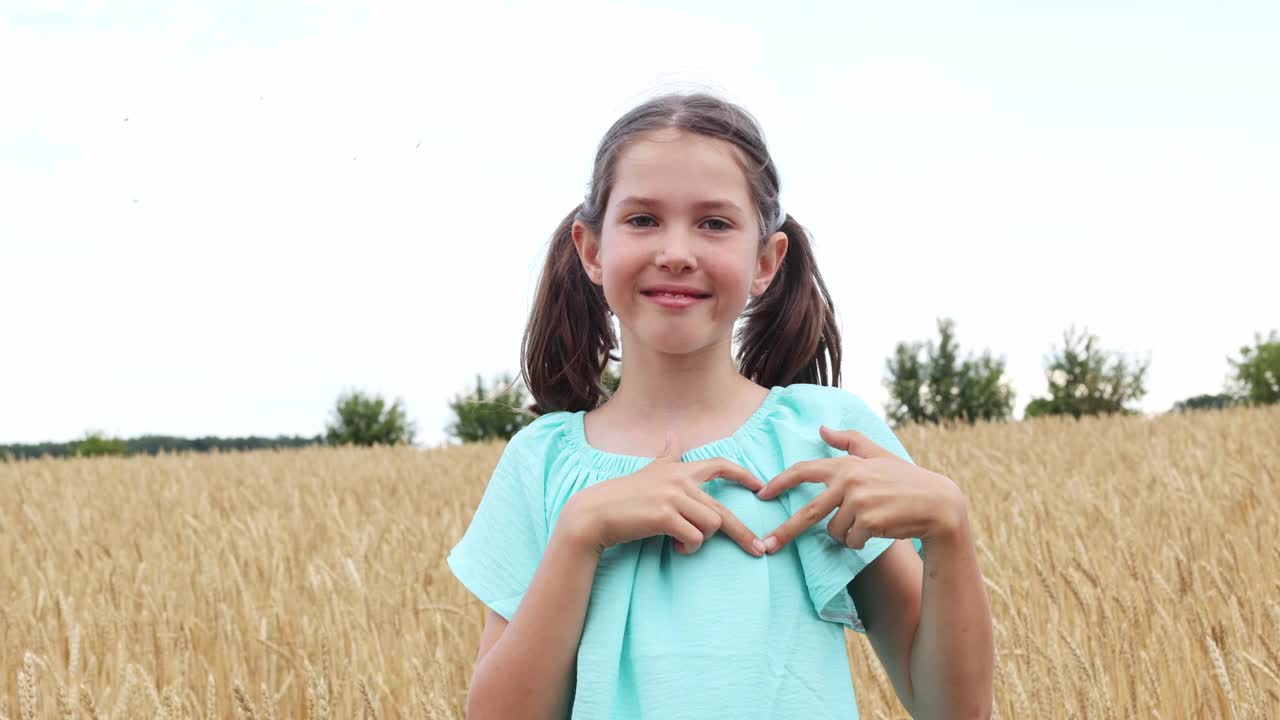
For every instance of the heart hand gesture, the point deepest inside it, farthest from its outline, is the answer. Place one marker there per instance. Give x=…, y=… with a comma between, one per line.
x=878, y=495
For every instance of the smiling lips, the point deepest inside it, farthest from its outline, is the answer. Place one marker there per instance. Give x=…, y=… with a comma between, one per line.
x=673, y=301
x=667, y=289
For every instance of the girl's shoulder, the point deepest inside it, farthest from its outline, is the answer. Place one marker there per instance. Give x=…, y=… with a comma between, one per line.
x=547, y=435
x=841, y=409
x=827, y=403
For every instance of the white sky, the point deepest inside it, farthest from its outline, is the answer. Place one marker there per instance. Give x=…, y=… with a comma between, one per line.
x=215, y=217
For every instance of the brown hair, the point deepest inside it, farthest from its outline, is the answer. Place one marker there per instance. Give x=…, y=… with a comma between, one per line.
x=789, y=331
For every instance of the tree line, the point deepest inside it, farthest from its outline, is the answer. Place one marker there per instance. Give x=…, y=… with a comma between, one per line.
x=928, y=382
x=358, y=419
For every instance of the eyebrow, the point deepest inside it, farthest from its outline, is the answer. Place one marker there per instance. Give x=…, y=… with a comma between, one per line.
x=701, y=205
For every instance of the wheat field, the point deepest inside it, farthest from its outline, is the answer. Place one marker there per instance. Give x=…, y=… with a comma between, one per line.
x=1131, y=563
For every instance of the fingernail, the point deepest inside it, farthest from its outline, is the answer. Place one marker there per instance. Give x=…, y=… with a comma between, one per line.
x=771, y=543
x=759, y=546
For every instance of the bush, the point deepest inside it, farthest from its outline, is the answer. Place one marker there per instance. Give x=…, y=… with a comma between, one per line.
x=360, y=419
x=1085, y=380
x=1257, y=372
x=95, y=443
x=939, y=387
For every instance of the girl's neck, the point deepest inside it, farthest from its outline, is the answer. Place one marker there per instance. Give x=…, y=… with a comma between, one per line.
x=700, y=402
x=681, y=397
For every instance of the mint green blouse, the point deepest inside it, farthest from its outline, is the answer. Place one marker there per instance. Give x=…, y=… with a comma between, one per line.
x=716, y=634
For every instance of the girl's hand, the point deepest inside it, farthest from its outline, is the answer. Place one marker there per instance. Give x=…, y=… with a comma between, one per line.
x=665, y=497
x=879, y=495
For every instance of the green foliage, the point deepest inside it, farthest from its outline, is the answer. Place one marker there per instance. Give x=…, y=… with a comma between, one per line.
x=939, y=387
x=500, y=412
x=95, y=443
x=361, y=419
x=1205, y=402
x=1257, y=371
x=1085, y=380
x=611, y=379
x=156, y=444
x=483, y=414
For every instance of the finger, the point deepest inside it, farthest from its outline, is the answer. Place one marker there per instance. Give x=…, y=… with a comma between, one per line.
x=840, y=523
x=687, y=536
x=699, y=516
x=670, y=449
x=803, y=471
x=707, y=470
x=802, y=519
x=730, y=525
x=852, y=442
x=703, y=517
x=858, y=536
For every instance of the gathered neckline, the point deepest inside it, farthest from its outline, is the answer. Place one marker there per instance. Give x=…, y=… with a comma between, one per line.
x=618, y=462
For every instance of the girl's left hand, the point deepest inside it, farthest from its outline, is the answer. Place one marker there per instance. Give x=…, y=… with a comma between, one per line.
x=879, y=495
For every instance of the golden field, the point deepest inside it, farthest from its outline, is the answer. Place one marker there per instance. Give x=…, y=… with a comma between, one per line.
x=1132, y=566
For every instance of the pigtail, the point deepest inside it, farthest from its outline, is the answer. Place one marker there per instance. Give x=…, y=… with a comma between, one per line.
x=569, y=338
x=789, y=333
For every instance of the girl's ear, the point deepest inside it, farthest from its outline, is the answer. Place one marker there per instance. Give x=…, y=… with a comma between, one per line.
x=768, y=263
x=588, y=247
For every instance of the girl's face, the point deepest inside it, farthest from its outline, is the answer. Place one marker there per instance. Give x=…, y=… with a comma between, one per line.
x=681, y=213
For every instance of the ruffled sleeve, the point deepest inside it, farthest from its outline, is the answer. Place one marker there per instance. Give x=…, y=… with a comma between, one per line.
x=508, y=534
x=828, y=565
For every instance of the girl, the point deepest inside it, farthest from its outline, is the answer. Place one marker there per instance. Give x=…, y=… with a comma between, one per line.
x=704, y=583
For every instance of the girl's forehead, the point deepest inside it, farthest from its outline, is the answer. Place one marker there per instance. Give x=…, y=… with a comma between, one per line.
x=680, y=163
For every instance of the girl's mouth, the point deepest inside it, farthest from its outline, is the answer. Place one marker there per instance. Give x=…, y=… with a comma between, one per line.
x=674, y=301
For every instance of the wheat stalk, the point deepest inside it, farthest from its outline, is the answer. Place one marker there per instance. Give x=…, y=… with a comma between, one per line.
x=210, y=699
x=268, y=709
x=369, y=711
x=65, y=707
x=86, y=702
x=123, y=695
x=27, y=687
x=1220, y=674
x=242, y=701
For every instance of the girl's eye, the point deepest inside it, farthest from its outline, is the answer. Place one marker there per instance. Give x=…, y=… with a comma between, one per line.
x=632, y=220
x=646, y=220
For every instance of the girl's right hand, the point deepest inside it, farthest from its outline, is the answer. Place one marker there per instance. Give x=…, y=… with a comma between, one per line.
x=665, y=497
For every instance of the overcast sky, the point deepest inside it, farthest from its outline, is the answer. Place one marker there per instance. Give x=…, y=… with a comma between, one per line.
x=215, y=217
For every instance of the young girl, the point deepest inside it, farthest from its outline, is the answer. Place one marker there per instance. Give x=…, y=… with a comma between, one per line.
x=694, y=545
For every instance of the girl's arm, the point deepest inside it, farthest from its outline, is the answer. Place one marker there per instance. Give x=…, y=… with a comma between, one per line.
x=953, y=653
x=530, y=671
x=931, y=630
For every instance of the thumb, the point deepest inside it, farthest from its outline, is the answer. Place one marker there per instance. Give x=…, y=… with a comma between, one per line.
x=852, y=442
x=671, y=448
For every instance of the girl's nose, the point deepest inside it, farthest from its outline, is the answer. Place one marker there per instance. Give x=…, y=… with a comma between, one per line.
x=675, y=253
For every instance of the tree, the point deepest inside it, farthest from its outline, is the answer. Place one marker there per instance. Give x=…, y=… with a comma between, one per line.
x=1257, y=372
x=483, y=414
x=1085, y=380
x=360, y=419
x=1205, y=402
x=939, y=387
x=95, y=443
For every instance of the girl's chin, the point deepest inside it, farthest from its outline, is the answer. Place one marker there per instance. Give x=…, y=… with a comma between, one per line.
x=670, y=341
